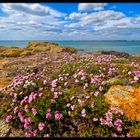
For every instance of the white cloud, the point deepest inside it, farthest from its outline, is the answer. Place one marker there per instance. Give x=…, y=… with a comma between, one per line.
x=102, y=16
x=36, y=21
x=91, y=6
x=32, y=9
x=74, y=25
x=76, y=15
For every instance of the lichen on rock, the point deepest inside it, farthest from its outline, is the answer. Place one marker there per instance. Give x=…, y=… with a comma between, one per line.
x=126, y=98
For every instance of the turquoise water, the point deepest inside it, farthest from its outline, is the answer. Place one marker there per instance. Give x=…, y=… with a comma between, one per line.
x=131, y=47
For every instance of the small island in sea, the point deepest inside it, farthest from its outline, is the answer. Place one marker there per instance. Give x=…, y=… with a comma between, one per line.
x=49, y=90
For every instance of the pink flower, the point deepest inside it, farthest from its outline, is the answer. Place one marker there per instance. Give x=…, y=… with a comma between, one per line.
x=103, y=121
x=53, y=101
x=87, y=97
x=16, y=109
x=58, y=116
x=30, y=98
x=76, y=81
x=137, y=73
x=48, y=110
x=114, y=110
x=46, y=135
x=65, y=83
x=48, y=116
x=85, y=86
x=52, y=89
x=40, y=94
x=26, y=125
x=96, y=93
x=95, y=119
x=8, y=118
x=92, y=104
x=19, y=114
x=22, y=119
x=54, y=82
x=83, y=113
x=26, y=108
x=103, y=82
x=11, y=94
x=114, y=135
x=132, y=82
x=108, y=116
x=128, y=135
x=26, y=98
x=68, y=105
x=83, y=77
x=101, y=88
x=27, y=120
x=22, y=101
x=120, y=112
x=27, y=134
x=119, y=128
x=45, y=82
x=72, y=98
x=109, y=124
x=72, y=107
x=82, y=103
x=41, y=126
x=34, y=111
x=55, y=95
x=34, y=96
x=118, y=122
x=122, y=135
x=40, y=89
x=92, y=81
x=35, y=132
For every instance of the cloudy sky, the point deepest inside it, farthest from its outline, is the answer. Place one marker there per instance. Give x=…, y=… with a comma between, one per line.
x=69, y=21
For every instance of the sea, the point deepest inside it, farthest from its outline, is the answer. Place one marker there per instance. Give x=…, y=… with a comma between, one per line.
x=129, y=46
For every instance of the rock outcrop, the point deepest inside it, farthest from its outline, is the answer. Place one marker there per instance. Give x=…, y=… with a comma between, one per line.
x=34, y=47
x=49, y=47
x=118, y=54
x=126, y=98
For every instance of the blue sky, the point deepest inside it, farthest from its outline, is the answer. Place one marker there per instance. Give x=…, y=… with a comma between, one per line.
x=69, y=21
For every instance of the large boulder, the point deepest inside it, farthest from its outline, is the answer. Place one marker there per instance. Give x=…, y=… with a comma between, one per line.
x=125, y=98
